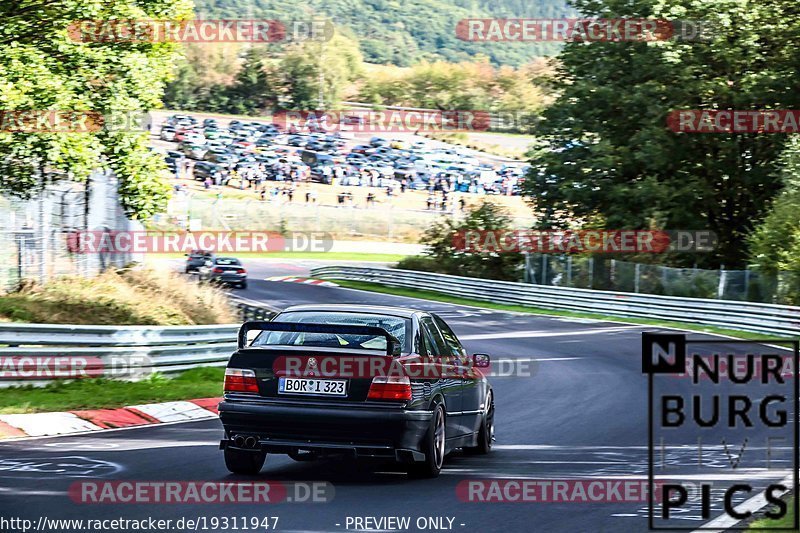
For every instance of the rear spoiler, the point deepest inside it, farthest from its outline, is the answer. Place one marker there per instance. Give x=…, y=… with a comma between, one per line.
x=392, y=342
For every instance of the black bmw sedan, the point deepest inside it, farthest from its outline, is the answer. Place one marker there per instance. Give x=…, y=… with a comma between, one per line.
x=366, y=381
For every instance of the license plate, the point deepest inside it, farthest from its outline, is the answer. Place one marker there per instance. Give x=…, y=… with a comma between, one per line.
x=331, y=387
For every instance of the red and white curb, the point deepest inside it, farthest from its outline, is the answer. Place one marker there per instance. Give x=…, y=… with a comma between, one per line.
x=64, y=423
x=307, y=281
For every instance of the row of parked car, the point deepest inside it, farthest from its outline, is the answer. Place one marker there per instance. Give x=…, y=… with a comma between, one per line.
x=242, y=144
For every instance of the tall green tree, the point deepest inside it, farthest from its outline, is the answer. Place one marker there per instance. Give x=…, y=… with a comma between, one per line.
x=607, y=155
x=775, y=244
x=252, y=92
x=44, y=67
x=310, y=69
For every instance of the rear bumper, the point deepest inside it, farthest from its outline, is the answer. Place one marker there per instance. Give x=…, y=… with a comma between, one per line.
x=229, y=278
x=282, y=427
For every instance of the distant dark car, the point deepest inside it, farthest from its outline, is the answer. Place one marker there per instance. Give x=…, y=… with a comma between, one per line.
x=173, y=163
x=264, y=142
x=361, y=149
x=296, y=140
x=316, y=146
x=228, y=270
x=203, y=170
x=276, y=398
x=355, y=158
x=222, y=157
x=196, y=259
x=378, y=141
x=316, y=162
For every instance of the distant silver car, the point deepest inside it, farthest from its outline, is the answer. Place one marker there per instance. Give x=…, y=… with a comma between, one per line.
x=228, y=270
x=167, y=134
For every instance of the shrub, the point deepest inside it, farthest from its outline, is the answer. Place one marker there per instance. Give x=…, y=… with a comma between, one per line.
x=443, y=257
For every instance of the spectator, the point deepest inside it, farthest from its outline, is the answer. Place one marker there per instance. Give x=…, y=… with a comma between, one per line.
x=327, y=174
x=339, y=173
x=370, y=199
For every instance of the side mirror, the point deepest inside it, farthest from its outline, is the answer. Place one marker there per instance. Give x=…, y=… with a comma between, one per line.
x=481, y=360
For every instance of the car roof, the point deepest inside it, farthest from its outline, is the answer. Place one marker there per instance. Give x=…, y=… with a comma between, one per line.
x=403, y=312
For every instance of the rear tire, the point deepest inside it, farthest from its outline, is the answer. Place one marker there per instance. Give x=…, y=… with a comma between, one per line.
x=434, y=448
x=485, y=433
x=243, y=462
x=243, y=285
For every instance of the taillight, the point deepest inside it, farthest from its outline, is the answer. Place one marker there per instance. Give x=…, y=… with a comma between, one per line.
x=241, y=271
x=240, y=380
x=217, y=270
x=390, y=388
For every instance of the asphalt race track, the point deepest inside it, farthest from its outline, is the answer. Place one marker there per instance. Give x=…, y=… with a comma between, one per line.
x=581, y=414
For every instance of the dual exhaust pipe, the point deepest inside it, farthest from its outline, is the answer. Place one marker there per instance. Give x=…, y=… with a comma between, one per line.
x=240, y=441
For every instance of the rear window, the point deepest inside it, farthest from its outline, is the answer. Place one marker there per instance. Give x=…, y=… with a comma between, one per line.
x=228, y=261
x=396, y=326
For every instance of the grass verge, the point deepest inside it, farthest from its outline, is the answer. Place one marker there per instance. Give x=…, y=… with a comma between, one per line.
x=440, y=297
x=108, y=393
x=119, y=297
x=767, y=524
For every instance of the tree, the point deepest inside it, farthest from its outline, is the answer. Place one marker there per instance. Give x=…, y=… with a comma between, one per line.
x=304, y=66
x=252, y=92
x=446, y=256
x=775, y=244
x=42, y=67
x=607, y=155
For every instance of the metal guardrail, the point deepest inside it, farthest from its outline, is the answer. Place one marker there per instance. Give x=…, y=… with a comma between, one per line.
x=745, y=316
x=35, y=354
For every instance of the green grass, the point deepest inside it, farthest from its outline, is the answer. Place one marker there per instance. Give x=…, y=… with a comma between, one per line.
x=106, y=393
x=766, y=524
x=440, y=297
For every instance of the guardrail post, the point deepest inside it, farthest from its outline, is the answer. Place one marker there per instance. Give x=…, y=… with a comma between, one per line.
x=569, y=271
x=723, y=277
x=613, y=274
x=544, y=269
x=636, y=277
